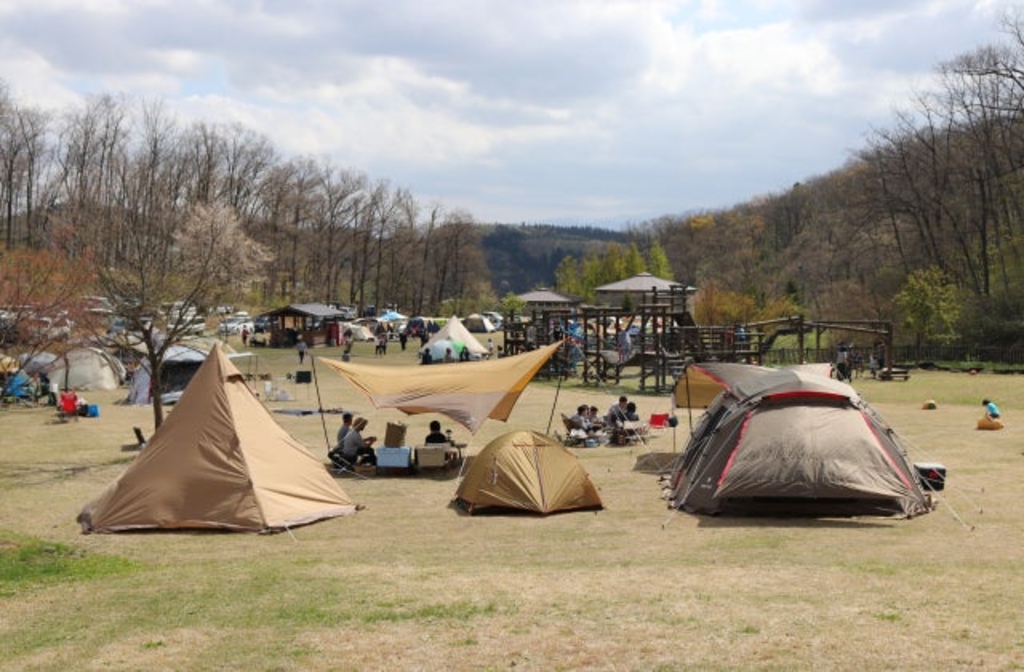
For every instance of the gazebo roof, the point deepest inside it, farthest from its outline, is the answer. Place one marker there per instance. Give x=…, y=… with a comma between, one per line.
x=547, y=296
x=307, y=309
x=641, y=282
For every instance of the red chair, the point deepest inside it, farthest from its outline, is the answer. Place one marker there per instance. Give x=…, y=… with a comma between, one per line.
x=68, y=405
x=658, y=422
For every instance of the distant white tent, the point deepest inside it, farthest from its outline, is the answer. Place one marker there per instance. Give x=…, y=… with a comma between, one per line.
x=454, y=330
x=479, y=324
x=86, y=369
x=180, y=364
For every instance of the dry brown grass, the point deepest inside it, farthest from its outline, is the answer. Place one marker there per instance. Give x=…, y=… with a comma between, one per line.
x=408, y=583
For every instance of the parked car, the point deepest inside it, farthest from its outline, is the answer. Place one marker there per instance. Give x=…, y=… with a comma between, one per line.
x=261, y=324
x=494, y=318
x=197, y=326
x=234, y=325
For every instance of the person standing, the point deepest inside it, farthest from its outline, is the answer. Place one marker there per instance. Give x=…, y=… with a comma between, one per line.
x=245, y=337
x=301, y=346
x=625, y=345
x=490, y=348
x=843, y=363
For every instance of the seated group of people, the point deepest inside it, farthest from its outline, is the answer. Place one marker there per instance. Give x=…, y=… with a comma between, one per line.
x=615, y=425
x=353, y=448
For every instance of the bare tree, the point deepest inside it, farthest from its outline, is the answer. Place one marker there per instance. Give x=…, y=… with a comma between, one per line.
x=194, y=259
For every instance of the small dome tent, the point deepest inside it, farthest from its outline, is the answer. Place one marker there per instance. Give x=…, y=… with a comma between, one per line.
x=526, y=471
x=788, y=442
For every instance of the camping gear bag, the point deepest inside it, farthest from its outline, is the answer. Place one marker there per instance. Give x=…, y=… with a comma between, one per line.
x=394, y=436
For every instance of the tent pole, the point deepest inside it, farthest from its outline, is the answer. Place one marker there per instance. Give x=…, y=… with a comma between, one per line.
x=553, y=405
x=320, y=404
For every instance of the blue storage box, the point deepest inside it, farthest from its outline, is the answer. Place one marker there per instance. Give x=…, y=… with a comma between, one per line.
x=394, y=456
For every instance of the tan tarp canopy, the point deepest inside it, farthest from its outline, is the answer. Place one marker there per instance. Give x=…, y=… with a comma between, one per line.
x=219, y=460
x=466, y=392
x=785, y=442
x=526, y=471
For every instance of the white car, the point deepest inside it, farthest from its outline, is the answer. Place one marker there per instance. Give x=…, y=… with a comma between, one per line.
x=494, y=318
x=234, y=325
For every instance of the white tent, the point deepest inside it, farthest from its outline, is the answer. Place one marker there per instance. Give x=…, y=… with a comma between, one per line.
x=479, y=324
x=86, y=369
x=454, y=330
x=180, y=364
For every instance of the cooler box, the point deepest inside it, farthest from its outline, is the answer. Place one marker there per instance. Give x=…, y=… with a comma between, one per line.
x=431, y=457
x=393, y=457
x=933, y=475
x=394, y=436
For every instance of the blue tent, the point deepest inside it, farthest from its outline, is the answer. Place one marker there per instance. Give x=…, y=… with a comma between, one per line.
x=18, y=386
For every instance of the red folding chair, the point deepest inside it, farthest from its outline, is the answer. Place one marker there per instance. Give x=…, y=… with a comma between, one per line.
x=658, y=422
x=68, y=405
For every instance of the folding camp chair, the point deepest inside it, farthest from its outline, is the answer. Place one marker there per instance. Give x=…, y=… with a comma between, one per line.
x=658, y=423
x=67, y=406
x=341, y=464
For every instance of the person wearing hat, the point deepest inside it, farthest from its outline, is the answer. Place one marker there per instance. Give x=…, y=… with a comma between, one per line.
x=355, y=448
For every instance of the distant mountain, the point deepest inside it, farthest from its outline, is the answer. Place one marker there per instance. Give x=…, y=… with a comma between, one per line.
x=525, y=256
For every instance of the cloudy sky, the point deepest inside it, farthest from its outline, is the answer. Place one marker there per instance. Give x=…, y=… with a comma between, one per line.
x=588, y=111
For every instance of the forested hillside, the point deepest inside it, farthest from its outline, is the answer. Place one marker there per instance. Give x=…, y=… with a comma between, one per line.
x=523, y=257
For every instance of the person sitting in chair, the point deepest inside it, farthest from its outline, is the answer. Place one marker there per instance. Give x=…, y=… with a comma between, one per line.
x=357, y=450
x=336, y=451
x=436, y=435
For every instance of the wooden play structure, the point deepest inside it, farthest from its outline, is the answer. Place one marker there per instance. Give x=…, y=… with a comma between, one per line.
x=663, y=337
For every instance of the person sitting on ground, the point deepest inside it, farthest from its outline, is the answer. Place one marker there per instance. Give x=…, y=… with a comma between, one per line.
x=427, y=358
x=581, y=419
x=449, y=358
x=436, y=435
x=631, y=413
x=991, y=410
x=355, y=448
x=346, y=427
x=617, y=413
x=595, y=419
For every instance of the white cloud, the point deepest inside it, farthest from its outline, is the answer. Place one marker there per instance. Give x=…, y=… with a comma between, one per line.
x=516, y=111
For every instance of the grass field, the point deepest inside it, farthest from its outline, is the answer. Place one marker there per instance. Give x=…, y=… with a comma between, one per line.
x=408, y=583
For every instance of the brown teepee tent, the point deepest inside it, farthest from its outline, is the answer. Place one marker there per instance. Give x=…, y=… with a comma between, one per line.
x=218, y=461
x=526, y=471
